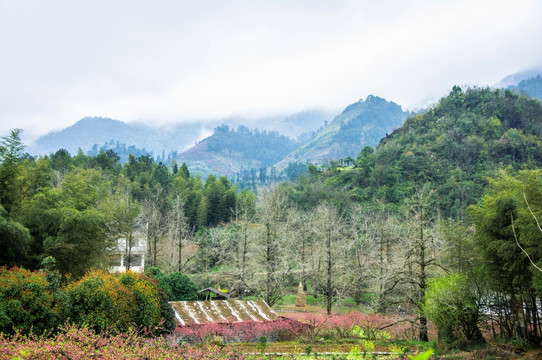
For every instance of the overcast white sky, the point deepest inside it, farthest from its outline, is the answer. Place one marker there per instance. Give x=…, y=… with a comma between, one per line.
x=172, y=61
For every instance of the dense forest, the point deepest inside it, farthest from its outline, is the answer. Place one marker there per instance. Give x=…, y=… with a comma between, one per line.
x=442, y=219
x=453, y=146
x=74, y=208
x=268, y=147
x=531, y=87
x=360, y=124
x=123, y=151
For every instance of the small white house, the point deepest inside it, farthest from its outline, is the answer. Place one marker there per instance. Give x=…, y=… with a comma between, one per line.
x=132, y=258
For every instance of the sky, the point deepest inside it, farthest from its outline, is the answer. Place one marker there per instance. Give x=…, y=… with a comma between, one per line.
x=174, y=61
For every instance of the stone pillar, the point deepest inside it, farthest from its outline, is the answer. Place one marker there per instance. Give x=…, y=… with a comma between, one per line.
x=300, y=300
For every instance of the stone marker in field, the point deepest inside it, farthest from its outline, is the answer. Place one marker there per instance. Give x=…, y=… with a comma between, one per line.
x=300, y=300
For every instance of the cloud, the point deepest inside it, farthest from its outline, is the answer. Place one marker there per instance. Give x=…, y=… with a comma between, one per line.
x=171, y=61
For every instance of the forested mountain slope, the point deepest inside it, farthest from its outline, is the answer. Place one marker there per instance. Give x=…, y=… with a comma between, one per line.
x=97, y=132
x=453, y=146
x=531, y=86
x=228, y=151
x=360, y=124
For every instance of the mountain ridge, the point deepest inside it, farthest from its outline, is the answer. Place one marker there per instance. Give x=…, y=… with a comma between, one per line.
x=363, y=123
x=90, y=131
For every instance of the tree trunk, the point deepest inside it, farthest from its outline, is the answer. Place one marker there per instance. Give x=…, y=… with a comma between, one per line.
x=422, y=283
x=329, y=290
x=268, y=258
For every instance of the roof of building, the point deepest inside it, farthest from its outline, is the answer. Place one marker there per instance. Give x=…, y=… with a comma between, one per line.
x=219, y=293
x=221, y=311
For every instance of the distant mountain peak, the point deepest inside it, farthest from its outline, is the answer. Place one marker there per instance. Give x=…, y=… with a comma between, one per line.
x=516, y=78
x=363, y=123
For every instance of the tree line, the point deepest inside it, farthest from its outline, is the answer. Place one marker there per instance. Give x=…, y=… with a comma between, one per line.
x=75, y=208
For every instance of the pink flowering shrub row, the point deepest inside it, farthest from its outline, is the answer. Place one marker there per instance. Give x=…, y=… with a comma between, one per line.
x=308, y=325
x=78, y=343
x=373, y=326
x=242, y=331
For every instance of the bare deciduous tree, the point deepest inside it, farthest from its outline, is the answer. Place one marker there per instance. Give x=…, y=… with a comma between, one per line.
x=274, y=247
x=422, y=245
x=302, y=226
x=152, y=207
x=333, y=251
x=242, y=246
x=179, y=235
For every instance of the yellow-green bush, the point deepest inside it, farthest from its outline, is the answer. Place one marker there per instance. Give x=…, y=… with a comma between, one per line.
x=100, y=300
x=26, y=304
x=146, y=297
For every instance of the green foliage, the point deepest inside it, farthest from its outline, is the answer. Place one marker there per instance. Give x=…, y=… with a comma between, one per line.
x=422, y=356
x=147, y=299
x=267, y=147
x=176, y=285
x=15, y=240
x=11, y=158
x=373, y=334
x=101, y=301
x=453, y=303
x=67, y=222
x=26, y=302
x=507, y=235
x=75, y=208
x=36, y=302
x=56, y=286
x=167, y=315
x=262, y=343
x=454, y=146
x=182, y=288
x=501, y=217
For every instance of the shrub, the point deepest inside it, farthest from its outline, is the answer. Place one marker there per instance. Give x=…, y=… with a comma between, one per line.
x=100, y=300
x=182, y=288
x=156, y=274
x=146, y=298
x=242, y=331
x=167, y=314
x=80, y=342
x=178, y=286
x=26, y=304
x=452, y=302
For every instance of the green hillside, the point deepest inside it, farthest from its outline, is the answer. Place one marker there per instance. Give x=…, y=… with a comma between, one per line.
x=361, y=124
x=228, y=151
x=453, y=146
x=531, y=86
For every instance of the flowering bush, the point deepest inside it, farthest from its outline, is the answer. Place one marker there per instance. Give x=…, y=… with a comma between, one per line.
x=368, y=326
x=242, y=331
x=79, y=343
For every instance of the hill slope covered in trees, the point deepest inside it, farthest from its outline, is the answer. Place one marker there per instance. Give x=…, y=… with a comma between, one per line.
x=466, y=137
x=360, y=124
x=228, y=151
